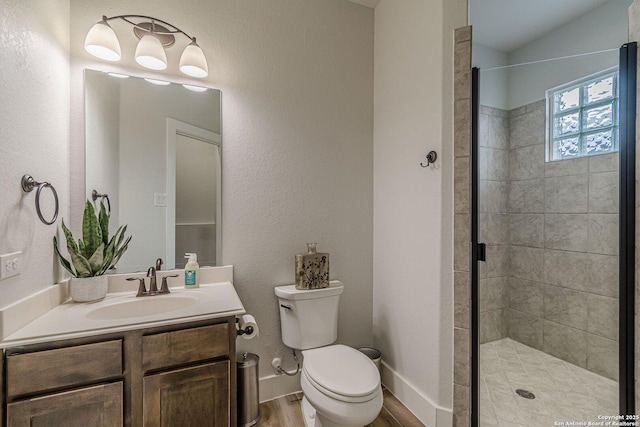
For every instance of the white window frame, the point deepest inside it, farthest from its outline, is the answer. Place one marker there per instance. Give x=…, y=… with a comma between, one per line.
x=551, y=114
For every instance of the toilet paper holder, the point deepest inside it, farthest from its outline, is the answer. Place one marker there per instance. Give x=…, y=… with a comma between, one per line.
x=239, y=331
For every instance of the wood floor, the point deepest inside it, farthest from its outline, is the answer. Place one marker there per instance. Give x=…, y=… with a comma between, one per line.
x=285, y=412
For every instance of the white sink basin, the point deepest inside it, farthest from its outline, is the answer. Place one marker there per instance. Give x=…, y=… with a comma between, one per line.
x=141, y=307
x=124, y=308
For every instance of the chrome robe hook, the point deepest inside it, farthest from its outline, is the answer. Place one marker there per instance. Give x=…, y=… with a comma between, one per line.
x=431, y=158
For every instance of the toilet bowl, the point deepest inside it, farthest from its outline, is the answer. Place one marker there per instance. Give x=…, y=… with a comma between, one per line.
x=341, y=388
x=341, y=385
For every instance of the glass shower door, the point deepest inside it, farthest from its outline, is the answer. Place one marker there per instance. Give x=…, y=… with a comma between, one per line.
x=551, y=323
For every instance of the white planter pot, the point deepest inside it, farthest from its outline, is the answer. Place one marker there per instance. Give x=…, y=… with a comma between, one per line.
x=89, y=288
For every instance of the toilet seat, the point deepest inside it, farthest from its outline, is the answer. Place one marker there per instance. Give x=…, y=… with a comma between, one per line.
x=342, y=373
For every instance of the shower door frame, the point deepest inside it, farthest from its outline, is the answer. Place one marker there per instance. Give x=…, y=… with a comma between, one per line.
x=626, y=296
x=627, y=233
x=474, y=252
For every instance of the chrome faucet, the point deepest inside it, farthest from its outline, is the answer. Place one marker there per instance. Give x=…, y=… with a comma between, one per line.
x=153, y=287
x=153, y=284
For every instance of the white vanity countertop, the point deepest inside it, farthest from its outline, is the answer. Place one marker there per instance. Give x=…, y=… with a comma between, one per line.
x=122, y=311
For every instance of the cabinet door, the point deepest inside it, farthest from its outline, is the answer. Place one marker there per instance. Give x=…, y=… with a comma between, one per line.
x=91, y=406
x=196, y=396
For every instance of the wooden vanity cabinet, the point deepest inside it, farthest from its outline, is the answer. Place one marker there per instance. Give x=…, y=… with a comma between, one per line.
x=177, y=375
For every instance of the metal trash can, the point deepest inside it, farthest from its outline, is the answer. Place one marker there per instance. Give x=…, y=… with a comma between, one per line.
x=248, y=393
x=373, y=354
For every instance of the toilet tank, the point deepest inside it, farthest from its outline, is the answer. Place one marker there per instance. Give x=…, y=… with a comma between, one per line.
x=309, y=318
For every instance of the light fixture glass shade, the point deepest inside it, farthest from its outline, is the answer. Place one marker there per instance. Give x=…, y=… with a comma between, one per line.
x=195, y=88
x=157, y=82
x=102, y=42
x=119, y=75
x=193, y=62
x=150, y=53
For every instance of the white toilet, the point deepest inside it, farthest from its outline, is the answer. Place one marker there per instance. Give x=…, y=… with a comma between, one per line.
x=341, y=385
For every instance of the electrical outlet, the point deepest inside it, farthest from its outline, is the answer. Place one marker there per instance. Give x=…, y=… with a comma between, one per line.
x=10, y=265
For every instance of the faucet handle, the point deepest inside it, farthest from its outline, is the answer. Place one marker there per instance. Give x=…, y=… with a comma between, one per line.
x=142, y=290
x=164, y=289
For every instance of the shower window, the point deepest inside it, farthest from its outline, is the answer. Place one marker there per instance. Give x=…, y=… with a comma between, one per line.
x=583, y=117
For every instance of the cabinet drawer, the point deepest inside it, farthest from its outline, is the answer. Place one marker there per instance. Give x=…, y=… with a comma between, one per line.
x=186, y=346
x=99, y=405
x=54, y=369
x=91, y=406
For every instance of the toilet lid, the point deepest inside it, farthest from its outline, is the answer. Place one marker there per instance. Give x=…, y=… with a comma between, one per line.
x=341, y=370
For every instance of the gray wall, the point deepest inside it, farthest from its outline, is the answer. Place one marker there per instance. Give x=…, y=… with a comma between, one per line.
x=563, y=241
x=34, y=118
x=413, y=206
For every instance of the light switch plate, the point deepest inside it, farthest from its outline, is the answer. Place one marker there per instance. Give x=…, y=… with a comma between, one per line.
x=10, y=265
x=160, y=199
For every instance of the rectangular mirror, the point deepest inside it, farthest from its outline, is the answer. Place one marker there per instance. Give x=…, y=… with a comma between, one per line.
x=153, y=153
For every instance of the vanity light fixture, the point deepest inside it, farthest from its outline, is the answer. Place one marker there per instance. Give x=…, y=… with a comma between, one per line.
x=195, y=88
x=118, y=75
x=155, y=36
x=158, y=82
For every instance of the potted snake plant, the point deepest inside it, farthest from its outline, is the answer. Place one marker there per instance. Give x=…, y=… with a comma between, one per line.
x=93, y=255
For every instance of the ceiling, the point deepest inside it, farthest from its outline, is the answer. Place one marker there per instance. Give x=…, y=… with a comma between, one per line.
x=507, y=25
x=369, y=3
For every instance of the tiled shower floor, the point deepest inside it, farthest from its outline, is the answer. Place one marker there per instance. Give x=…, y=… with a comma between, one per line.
x=563, y=392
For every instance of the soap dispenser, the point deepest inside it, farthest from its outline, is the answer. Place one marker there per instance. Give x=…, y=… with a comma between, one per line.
x=191, y=271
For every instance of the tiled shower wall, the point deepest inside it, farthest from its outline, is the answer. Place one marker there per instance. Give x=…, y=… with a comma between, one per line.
x=494, y=222
x=462, y=233
x=562, y=233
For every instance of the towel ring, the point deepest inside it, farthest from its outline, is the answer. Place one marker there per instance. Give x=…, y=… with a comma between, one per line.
x=28, y=184
x=95, y=195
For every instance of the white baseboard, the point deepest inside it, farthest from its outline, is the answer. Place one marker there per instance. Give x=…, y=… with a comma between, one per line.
x=274, y=386
x=419, y=404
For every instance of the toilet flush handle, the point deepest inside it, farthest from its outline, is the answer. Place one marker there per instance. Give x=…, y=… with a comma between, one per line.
x=287, y=306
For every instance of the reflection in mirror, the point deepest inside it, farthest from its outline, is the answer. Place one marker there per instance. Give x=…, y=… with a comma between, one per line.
x=548, y=209
x=155, y=151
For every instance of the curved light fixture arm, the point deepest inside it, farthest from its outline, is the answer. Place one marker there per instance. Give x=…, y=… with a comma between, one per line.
x=125, y=18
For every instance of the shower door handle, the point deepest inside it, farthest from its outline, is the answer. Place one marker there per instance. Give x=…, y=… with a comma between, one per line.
x=482, y=251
